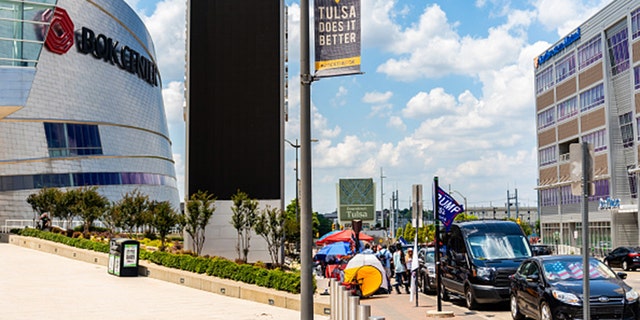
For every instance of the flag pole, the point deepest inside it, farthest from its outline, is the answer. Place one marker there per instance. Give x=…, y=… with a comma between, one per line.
x=436, y=216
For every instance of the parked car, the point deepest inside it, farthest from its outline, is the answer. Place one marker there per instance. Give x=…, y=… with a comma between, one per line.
x=541, y=249
x=550, y=287
x=427, y=270
x=479, y=258
x=627, y=258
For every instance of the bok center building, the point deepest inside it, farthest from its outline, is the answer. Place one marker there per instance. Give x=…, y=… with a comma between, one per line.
x=587, y=89
x=80, y=103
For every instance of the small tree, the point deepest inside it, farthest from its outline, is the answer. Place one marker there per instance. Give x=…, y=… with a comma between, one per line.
x=164, y=218
x=270, y=226
x=44, y=201
x=132, y=207
x=243, y=220
x=64, y=209
x=112, y=218
x=89, y=206
x=200, y=208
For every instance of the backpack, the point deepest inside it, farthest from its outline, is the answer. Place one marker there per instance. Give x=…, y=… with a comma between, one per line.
x=383, y=256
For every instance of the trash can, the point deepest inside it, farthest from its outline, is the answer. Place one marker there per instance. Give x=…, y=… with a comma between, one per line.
x=123, y=257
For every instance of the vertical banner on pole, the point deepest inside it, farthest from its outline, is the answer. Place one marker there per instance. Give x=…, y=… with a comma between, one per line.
x=337, y=37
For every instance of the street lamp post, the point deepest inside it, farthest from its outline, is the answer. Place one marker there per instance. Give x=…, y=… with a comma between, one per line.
x=296, y=146
x=463, y=197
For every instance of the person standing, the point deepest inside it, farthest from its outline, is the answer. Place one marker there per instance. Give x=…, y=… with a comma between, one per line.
x=400, y=268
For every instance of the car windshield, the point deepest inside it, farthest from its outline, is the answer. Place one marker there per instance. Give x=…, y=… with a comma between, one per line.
x=499, y=246
x=430, y=257
x=572, y=270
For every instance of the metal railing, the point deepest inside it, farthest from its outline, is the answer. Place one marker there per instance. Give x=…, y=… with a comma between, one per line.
x=31, y=223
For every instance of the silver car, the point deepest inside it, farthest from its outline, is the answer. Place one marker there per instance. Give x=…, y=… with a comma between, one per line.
x=427, y=270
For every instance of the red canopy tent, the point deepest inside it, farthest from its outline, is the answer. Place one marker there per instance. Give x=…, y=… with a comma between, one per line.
x=344, y=235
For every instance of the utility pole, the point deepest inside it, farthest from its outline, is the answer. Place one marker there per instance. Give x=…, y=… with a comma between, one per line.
x=381, y=198
x=306, y=221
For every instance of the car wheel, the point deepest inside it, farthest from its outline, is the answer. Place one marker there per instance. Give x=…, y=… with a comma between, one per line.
x=470, y=299
x=515, y=311
x=545, y=311
x=425, y=284
x=625, y=265
x=444, y=295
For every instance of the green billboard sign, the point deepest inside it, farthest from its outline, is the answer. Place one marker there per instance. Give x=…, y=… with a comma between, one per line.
x=356, y=198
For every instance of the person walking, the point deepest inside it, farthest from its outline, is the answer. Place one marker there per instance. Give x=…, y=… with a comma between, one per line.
x=400, y=263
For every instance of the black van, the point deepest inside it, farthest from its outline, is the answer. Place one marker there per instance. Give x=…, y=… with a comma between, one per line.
x=479, y=256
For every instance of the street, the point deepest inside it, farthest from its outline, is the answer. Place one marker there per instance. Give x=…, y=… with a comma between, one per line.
x=489, y=311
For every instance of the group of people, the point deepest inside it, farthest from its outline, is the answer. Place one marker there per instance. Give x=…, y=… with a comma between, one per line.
x=398, y=261
x=395, y=261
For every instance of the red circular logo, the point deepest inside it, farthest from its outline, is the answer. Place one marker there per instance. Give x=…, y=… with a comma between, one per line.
x=60, y=35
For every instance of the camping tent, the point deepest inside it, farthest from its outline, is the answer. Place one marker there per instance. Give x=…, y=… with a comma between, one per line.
x=344, y=235
x=367, y=272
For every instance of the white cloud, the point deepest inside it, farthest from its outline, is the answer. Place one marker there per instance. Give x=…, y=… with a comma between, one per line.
x=423, y=103
x=377, y=97
x=168, y=29
x=396, y=123
x=566, y=15
x=173, y=96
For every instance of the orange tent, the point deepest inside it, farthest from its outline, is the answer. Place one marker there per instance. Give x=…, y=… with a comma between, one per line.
x=344, y=235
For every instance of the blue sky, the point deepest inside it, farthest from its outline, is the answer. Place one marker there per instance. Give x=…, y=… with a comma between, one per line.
x=447, y=91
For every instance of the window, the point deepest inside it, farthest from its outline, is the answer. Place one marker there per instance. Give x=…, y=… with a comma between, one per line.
x=567, y=109
x=635, y=23
x=592, y=98
x=544, y=80
x=66, y=139
x=633, y=182
x=546, y=118
x=547, y=156
x=636, y=77
x=565, y=67
x=618, y=48
x=549, y=197
x=21, y=27
x=62, y=180
x=596, y=138
x=590, y=52
x=626, y=129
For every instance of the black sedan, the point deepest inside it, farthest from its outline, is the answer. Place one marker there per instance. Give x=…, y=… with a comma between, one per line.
x=627, y=258
x=550, y=287
x=541, y=249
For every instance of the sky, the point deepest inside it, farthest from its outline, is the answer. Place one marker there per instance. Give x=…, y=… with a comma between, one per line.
x=447, y=91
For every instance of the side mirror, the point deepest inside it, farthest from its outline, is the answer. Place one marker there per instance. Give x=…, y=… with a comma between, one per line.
x=622, y=275
x=533, y=278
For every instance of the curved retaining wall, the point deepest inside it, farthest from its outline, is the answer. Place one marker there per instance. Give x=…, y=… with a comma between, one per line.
x=224, y=287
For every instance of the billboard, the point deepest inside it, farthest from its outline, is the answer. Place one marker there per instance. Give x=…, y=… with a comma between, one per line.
x=235, y=92
x=356, y=198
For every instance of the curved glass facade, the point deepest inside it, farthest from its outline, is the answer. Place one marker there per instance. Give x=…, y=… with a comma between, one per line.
x=80, y=103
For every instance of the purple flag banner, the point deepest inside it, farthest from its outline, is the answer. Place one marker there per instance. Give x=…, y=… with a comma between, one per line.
x=448, y=208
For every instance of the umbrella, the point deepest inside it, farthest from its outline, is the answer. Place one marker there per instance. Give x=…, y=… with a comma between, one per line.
x=333, y=249
x=367, y=271
x=344, y=235
x=328, y=234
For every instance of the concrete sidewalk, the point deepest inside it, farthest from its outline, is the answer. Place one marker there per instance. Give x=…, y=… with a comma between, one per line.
x=38, y=285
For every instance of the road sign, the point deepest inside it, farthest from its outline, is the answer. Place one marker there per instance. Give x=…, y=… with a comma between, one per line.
x=576, y=162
